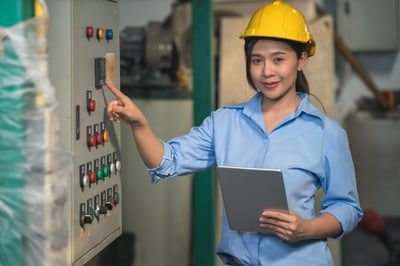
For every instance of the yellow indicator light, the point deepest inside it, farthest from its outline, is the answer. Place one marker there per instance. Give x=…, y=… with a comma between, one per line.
x=100, y=34
x=105, y=136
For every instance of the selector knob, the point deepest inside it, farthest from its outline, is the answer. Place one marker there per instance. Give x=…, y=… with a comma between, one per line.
x=85, y=219
x=103, y=209
x=109, y=205
x=100, y=209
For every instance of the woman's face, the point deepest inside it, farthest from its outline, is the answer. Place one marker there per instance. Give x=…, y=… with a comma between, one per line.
x=273, y=68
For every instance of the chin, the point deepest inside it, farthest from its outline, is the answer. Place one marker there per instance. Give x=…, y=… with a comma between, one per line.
x=272, y=96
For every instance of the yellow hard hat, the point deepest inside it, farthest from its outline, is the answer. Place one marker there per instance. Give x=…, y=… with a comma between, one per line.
x=280, y=20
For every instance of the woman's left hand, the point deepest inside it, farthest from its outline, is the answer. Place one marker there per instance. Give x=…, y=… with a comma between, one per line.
x=285, y=224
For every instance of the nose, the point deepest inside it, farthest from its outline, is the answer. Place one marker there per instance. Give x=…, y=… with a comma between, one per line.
x=267, y=70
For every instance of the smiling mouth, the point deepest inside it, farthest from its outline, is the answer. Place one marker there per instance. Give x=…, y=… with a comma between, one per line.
x=270, y=85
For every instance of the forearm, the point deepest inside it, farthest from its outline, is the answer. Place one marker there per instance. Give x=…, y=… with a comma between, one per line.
x=150, y=148
x=323, y=226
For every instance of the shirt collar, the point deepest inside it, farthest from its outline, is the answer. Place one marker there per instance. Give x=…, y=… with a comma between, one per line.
x=307, y=107
x=253, y=106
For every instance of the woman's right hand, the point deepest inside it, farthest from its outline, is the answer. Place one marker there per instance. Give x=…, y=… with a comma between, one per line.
x=122, y=108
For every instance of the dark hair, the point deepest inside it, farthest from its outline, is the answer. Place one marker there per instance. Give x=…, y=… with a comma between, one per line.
x=298, y=47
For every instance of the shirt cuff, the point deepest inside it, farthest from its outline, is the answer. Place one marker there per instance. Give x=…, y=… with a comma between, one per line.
x=348, y=217
x=156, y=173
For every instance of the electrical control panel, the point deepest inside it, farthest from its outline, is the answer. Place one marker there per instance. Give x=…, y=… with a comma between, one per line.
x=83, y=54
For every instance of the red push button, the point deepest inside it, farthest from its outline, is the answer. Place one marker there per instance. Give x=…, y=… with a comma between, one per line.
x=92, y=106
x=92, y=141
x=89, y=32
x=99, y=138
x=93, y=177
x=90, y=103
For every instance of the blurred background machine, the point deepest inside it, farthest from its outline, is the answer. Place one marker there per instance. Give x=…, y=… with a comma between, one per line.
x=83, y=54
x=158, y=55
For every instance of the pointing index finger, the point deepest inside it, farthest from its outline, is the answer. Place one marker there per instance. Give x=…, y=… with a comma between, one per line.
x=114, y=90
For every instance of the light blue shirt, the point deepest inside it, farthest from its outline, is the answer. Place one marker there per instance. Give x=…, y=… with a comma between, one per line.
x=312, y=151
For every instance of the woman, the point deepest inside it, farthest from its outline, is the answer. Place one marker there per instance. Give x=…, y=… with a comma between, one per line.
x=277, y=128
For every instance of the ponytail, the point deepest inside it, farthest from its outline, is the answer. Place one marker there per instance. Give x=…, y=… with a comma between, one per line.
x=302, y=83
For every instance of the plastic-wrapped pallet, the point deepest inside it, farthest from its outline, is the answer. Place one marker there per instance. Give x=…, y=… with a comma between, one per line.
x=34, y=167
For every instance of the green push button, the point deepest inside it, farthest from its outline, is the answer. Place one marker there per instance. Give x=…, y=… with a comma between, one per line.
x=99, y=174
x=106, y=171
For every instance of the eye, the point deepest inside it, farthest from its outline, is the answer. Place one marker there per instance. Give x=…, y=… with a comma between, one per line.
x=278, y=60
x=256, y=60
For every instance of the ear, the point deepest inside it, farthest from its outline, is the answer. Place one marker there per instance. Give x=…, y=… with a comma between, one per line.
x=302, y=60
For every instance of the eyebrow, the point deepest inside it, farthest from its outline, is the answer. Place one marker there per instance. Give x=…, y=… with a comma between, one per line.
x=274, y=54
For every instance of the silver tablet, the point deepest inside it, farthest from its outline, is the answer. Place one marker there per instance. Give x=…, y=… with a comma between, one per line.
x=247, y=192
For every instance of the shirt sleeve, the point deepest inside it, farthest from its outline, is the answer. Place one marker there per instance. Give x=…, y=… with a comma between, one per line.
x=187, y=154
x=341, y=196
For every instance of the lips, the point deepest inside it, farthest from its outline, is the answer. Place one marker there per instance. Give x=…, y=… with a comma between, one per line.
x=270, y=85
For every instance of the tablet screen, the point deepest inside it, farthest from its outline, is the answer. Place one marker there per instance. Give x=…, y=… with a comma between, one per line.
x=247, y=192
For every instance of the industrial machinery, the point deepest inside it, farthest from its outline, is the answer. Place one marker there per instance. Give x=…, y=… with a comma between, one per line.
x=84, y=53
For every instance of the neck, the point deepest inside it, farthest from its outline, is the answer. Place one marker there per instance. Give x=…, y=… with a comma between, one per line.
x=284, y=105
